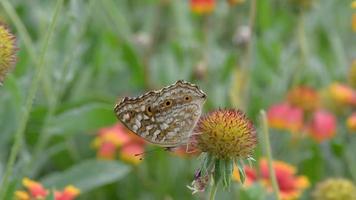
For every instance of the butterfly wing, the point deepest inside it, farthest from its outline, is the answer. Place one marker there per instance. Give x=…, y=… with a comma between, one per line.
x=165, y=117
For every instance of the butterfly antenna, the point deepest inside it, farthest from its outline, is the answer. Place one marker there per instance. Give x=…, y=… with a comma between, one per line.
x=146, y=153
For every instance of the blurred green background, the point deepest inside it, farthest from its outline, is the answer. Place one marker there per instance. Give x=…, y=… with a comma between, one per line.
x=101, y=51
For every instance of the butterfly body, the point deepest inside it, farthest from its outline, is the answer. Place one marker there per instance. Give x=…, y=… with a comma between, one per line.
x=164, y=117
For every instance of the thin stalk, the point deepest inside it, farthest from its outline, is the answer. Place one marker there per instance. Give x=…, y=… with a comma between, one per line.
x=269, y=153
x=249, y=53
x=19, y=134
x=213, y=190
x=303, y=49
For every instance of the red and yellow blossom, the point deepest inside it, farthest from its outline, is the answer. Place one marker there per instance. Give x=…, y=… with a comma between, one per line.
x=202, y=6
x=290, y=185
x=351, y=122
x=36, y=191
x=226, y=134
x=304, y=97
x=284, y=116
x=130, y=152
x=70, y=192
x=342, y=94
x=223, y=136
x=322, y=126
x=117, y=140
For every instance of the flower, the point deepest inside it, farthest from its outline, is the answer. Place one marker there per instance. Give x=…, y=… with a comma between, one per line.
x=7, y=51
x=202, y=6
x=342, y=94
x=35, y=190
x=223, y=137
x=304, y=97
x=69, y=193
x=130, y=152
x=322, y=126
x=335, y=189
x=283, y=116
x=226, y=134
x=111, y=140
x=351, y=122
x=290, y=185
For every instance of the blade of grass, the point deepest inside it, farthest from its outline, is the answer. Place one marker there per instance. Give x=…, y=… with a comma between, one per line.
x=28, y=105
x=269, y=153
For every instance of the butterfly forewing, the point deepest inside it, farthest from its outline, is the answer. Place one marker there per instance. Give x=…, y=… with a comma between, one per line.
x=165, y=117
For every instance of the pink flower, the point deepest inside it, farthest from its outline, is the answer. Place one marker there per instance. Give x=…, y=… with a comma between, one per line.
x=284, y=116
x=322, y=126
x=117, y=138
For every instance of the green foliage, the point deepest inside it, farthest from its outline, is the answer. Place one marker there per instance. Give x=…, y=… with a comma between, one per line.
x=97, y=53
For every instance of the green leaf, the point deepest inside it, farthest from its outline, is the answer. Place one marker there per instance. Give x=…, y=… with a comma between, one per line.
x=87, y=117
x=242, y=174
x=208, y=162
x=88, y=175
x=218, y=171
x=229, y=166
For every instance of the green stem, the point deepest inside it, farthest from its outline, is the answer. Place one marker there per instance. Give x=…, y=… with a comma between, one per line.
x=303, y=49
x=213, y=190
x=249, y=54
x=269, y=153
x=28, y=106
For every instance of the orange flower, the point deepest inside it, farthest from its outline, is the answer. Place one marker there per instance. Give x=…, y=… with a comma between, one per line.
x=22, y=195
x=322, y=126
x=35, y=190
x=304, y=97
x=351, y=122
x=111, y=139
x=284, y=116
x=69, y=193
x=202, y=6
x=129, y=153
x=290, y=185
x=342, y=94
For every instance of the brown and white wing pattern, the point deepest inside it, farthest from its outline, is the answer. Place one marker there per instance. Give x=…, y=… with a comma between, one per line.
x=165, y=117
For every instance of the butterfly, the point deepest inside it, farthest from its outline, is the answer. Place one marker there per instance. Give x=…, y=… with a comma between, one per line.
x=164, y=117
